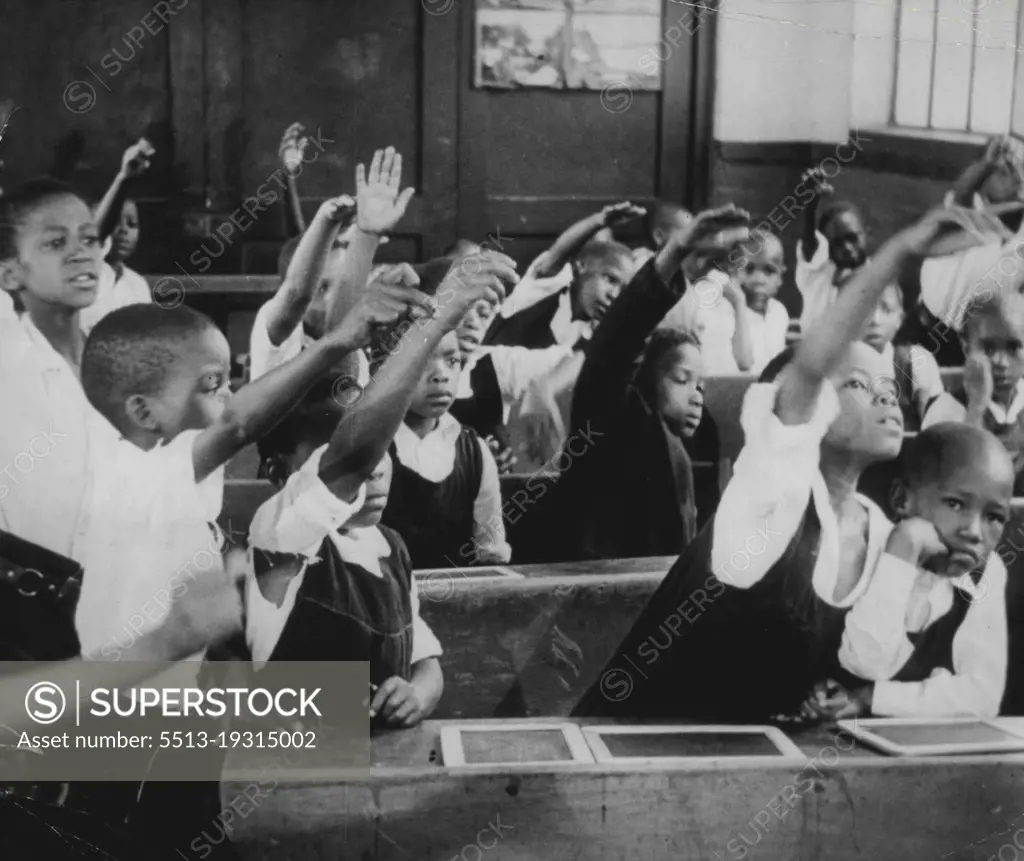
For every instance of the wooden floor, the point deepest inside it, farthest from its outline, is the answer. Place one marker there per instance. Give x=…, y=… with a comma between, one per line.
x=843, y=803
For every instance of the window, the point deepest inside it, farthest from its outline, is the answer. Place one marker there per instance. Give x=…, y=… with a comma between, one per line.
x=957, y=65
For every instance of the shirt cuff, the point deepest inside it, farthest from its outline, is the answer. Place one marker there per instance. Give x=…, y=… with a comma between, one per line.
x=764, y=432
x=424, y=642
x=303, y=513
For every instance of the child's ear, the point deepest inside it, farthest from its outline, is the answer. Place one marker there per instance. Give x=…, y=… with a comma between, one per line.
x=12, y=276
x=140, y=413
x=899, y=498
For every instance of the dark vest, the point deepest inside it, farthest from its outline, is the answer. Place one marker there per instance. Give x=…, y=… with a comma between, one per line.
x=484, y=409
x=344, y=613
x=704, y=650
x=530, y=327
x=435, y=519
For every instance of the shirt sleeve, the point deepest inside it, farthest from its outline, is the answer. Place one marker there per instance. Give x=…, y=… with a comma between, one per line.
x=265, y=621
x=975, y=687
x=533, y=288
x=764, y=502
x=806, y=268
x=297, y=518
x=517, y=367
x=875, y=643
x=719, y=328
x=775, y=330
x=424, y=643
x=946, y=408
x=488, y=523
x=265, y=356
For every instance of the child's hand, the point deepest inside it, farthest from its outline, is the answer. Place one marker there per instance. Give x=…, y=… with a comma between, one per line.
x=815, y=177
x=503, y=455
x=915, y=540
x=620, y=213
x=384, y=301
x=398, y=703
x=949, y=230
x=135, y=160
x=481, y=276
x=733, y=294
x=338, y=209
x=379, y=206
x=293, y=148
x=712, y=233
x=978, y=382
x=830, y=701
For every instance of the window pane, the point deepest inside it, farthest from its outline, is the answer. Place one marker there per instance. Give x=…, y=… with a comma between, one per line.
x=992, y=92
x=914, y=64
x=951, y=92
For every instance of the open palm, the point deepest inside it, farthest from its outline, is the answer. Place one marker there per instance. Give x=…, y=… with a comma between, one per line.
x=379, y=204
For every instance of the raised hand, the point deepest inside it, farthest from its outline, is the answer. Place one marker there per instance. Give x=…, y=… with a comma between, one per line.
x=136, y=158
x=978, y=384
x=384, y=301
x=504, y=457
x=481, y=276
x=950, y=230
x=620, y=213
x=293, y=148
x=916, y=540
x=338, y=209
x=379, y=204
x=815, y=177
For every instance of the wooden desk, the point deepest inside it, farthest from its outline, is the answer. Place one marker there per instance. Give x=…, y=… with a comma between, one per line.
x=843, y=805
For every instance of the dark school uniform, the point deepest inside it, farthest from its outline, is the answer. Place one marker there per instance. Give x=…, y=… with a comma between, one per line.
x=436, y=518
x=484, y=410
x=343, y=612
x=530, y=327
x=746, y=638
x=626, y=485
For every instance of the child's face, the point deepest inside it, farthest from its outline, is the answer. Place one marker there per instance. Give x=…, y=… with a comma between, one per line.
x=377, y=489
x=440, y=381
x=969, y=508
x=474, y=326
x=681, y=391
x=869, y=426
x=998, y=336
x=886, y=320
x=847, y=240
x=197, y=387
x=598, y=283
x=1003, y=184
x=126, y=234
x=59, y=255
x=760, y=275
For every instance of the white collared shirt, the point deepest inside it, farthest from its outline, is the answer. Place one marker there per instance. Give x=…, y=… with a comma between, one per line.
x=114, y=292
x=515, y=368
x=566, y=330
x=533, y=288
x=46, y=433
x=775, y=476
x=710, y=316
x=146, y=528
x=903, y=599
x=433, y=457
x=7, y=311
x=296, y=520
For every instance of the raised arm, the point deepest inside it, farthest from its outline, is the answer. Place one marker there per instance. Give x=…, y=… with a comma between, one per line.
x=134, y=163
x=366, y=430
x=823, y=348
x=291, y=150
x=742, y=341
x=379, y=207
x=286, y=309
x=577, y=235
x=974, y=175
x=613, y=355
x=815, y=180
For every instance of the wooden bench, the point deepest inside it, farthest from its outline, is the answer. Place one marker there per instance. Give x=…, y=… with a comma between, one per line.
x=844, y=803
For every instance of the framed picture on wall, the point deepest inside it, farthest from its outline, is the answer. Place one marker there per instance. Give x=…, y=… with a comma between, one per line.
x=568, y=44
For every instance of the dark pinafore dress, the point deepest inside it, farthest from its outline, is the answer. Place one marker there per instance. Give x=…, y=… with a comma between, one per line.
x=435, y=518
x=704, y=650
x=484, y=410
x=345, y=613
